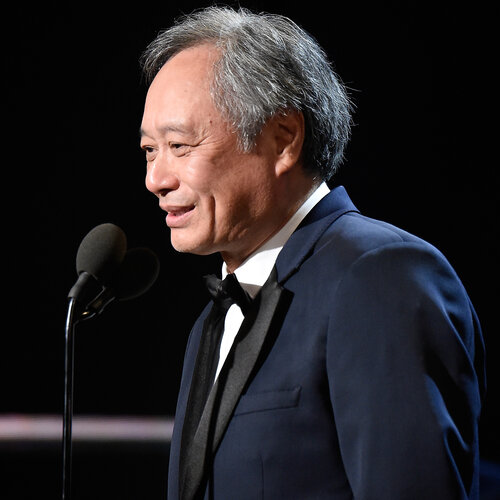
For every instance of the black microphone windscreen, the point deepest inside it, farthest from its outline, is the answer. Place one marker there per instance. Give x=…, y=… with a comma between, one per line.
x=101, y=251
x=138, y=271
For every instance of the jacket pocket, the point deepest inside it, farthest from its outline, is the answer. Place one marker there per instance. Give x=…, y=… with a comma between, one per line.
x=269, y=400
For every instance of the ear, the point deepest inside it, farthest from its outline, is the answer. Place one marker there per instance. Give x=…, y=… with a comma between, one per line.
x=289, y=133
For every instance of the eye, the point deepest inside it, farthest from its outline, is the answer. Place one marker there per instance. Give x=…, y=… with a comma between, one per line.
x=179, y=148
x=150, y=152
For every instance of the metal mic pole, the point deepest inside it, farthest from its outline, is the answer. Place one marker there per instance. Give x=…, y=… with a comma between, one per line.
x=69, y=352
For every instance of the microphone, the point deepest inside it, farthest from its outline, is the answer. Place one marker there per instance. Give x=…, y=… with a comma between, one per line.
x=135, y=275
x=108, y=271
x=100, y=253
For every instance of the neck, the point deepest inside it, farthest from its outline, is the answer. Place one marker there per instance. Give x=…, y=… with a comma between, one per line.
x=233, y=260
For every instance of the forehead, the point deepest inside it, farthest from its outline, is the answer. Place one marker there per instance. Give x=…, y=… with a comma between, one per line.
x=181, y=89
x=191, y=64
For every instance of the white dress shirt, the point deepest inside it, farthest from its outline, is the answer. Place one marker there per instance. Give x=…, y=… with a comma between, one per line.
x=255, y=270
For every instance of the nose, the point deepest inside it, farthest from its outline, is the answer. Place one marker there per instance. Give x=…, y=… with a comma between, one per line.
x=160, y=177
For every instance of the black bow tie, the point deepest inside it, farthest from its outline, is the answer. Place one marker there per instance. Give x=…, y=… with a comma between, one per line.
x=227, y=292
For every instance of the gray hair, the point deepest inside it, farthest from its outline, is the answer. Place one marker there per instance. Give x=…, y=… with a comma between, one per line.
x=268, y=65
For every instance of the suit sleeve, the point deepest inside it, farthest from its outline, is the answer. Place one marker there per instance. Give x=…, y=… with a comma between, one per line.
x=405, y=369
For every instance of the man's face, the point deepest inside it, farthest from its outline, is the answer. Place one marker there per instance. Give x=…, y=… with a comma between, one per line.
x=217, y=198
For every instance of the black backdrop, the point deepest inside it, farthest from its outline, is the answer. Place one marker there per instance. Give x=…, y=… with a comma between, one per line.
x=71, y=161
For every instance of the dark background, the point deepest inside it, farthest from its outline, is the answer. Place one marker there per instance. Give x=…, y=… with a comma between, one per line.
x=71, y=160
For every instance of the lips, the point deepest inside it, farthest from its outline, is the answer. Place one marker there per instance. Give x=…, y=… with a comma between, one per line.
x=177, y=212
x=177, y=216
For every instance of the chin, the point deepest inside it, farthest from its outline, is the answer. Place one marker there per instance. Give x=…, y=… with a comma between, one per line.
x=193, y=247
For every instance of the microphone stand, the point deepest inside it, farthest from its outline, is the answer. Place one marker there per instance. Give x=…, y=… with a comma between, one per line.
x=85, y=288
x=87, y=298
x=69, y=352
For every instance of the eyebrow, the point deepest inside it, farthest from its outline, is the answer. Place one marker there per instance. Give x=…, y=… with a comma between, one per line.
x=176, y=127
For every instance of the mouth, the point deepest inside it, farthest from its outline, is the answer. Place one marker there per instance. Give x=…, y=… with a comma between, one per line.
x=178, y=216
x=177, y=212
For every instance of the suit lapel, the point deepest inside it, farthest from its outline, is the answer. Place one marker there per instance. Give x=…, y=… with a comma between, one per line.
x=229, y=386
x=245, y=355
x=302, y=242
x=188, y=458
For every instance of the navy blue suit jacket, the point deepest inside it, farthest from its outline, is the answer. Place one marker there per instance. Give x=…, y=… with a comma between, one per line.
x=359, y=375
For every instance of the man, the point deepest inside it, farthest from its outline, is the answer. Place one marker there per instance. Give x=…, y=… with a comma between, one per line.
x=352, y=364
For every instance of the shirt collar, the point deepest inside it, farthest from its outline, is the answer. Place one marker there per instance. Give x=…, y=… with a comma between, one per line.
x=255, y=270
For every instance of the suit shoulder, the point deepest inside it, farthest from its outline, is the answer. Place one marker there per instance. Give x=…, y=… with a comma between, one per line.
x=354, y=238
x=357, y=234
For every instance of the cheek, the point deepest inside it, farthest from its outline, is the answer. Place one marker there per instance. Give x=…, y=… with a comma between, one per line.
x=201, y=177
x=240, y=207
x=232, y=192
